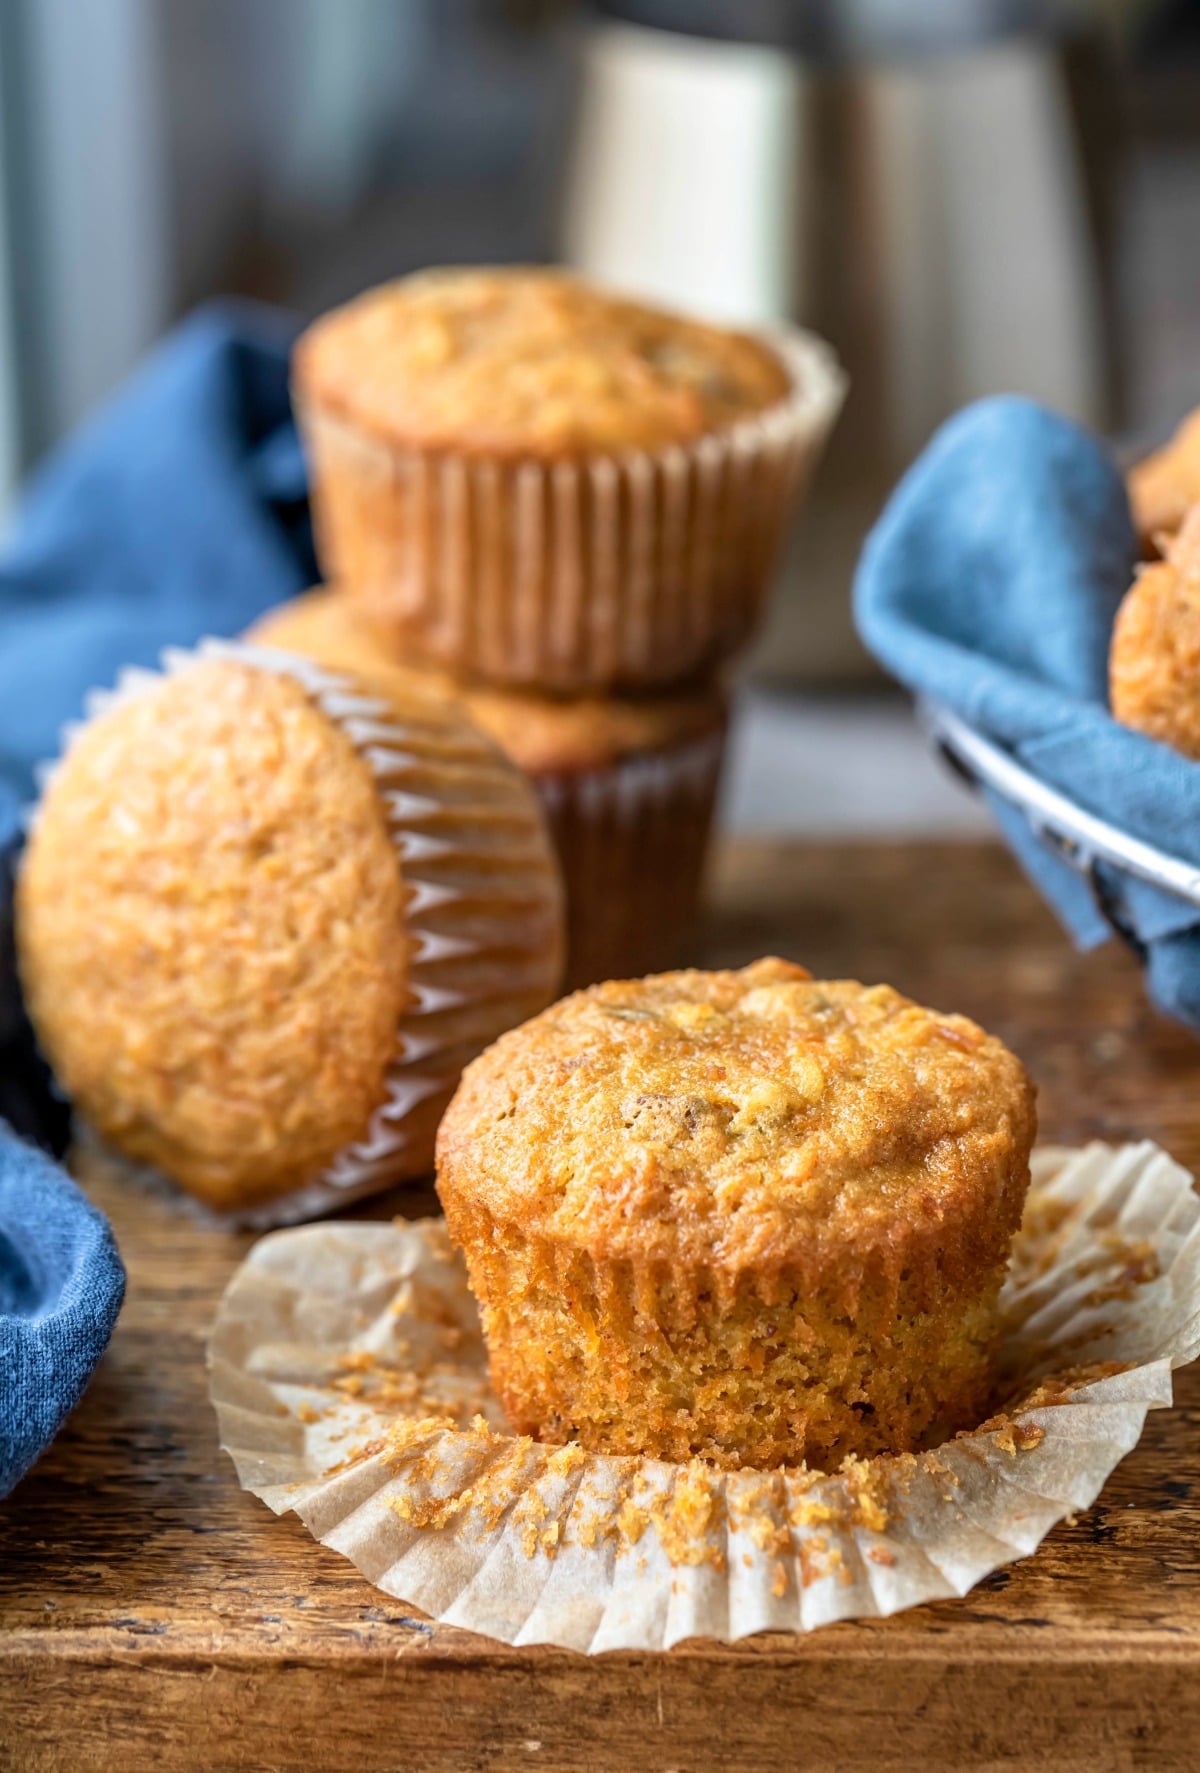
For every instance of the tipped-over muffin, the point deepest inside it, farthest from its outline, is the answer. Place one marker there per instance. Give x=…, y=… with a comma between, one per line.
x=266, y=915
x=1164, y=486
x=746, y=1215
x=628, y=786
x=531, y=481
x=1154, y=662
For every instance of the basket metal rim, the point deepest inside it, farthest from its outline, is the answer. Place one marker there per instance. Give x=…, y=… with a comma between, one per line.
x=1079, y=838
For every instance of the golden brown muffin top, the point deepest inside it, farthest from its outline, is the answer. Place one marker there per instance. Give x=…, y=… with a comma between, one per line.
x=1154, y=662
x=212, y=939
x=1165, y=485
x=543, y=735
x=529, y=363
x=739, y=1120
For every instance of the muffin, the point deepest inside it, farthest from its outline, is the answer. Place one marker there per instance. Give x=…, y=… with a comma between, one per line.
x=265, y=917
x=628, y=787
x=1165, y=485
x=530, y=481
x=1154, y=662
x=745, y=1216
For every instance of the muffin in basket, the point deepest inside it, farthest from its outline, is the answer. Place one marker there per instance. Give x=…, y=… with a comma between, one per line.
x=265, y=917
x=1154, y=663
x=744, y=1215
x=628, y=786
x=533, y=482
x=1165, y=485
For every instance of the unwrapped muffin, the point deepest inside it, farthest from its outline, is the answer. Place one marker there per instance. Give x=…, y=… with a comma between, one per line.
x=628, y=786
x=744, y=1215
x=533, y=482
x=1154, y=663
x=267, y=914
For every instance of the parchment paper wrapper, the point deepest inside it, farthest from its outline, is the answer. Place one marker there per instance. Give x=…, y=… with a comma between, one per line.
x=347, y=1366
x=576, y=574
x=632, y=838
x=483, y=912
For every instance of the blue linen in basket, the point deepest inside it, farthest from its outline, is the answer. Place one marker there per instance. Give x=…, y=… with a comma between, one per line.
x=180, y=510
x=990, y=584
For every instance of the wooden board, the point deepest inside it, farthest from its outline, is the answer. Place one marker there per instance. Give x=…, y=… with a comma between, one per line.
x=151, y=1614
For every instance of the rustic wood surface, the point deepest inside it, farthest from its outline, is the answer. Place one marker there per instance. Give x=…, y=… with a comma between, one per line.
x=153, y=1615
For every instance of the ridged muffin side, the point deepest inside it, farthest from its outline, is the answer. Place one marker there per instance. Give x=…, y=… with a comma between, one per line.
x=530, y=481
x=747, y=1216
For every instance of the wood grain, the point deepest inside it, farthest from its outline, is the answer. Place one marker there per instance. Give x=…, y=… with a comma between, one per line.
x=151, y=1614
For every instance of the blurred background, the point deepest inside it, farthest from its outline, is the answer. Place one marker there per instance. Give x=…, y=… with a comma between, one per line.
x=964, y=196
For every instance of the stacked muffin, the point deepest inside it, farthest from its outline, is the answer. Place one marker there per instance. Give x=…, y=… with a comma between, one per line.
x=564, y=509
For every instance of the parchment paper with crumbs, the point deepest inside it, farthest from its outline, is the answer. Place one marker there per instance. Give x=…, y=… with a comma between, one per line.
x=349, y=1377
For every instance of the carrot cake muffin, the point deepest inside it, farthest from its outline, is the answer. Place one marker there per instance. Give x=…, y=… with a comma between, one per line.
x=535, y=482
x=1165, y=485
x=265, y=917
x=628, y=786
x=1154, y=664
x=743, y=1215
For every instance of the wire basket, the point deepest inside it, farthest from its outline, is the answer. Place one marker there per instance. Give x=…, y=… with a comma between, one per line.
x=1075, y=836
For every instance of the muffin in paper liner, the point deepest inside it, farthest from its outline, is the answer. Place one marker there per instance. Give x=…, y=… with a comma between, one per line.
x=480, y=898
x=580, y=573
x=632, y=839
x=743, y=1215
x=348, y=1374
x=628, y=786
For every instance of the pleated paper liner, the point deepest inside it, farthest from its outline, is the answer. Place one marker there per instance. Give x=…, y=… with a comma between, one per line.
x=348, y=1374
x=483, y=915
x=632, y=838
x=630, y=813
x=632, y=569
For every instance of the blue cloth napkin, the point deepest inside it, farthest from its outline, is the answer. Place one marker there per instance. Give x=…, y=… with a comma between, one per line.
x=180, y=510
x=990, y=584
x=61, y=1286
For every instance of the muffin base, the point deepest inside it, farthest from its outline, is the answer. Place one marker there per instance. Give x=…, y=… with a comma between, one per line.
x=767, y=1373
x=632, y=841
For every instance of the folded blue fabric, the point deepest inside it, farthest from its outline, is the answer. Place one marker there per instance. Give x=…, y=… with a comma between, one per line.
x=990, y=584
x=27, y=1102
x=61, y=1286
x=180, y=510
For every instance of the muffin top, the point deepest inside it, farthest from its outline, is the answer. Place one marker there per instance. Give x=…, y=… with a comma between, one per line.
x=529, y=363
x=211, y=930
x=1165, y=485
x=737, y=1120
x=544, y=735
x=1154, y=664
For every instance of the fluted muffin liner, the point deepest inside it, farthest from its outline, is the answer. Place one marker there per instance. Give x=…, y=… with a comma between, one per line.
x=483, y=910
x=632, y=838
x=578, y=573
x=348, y=1373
